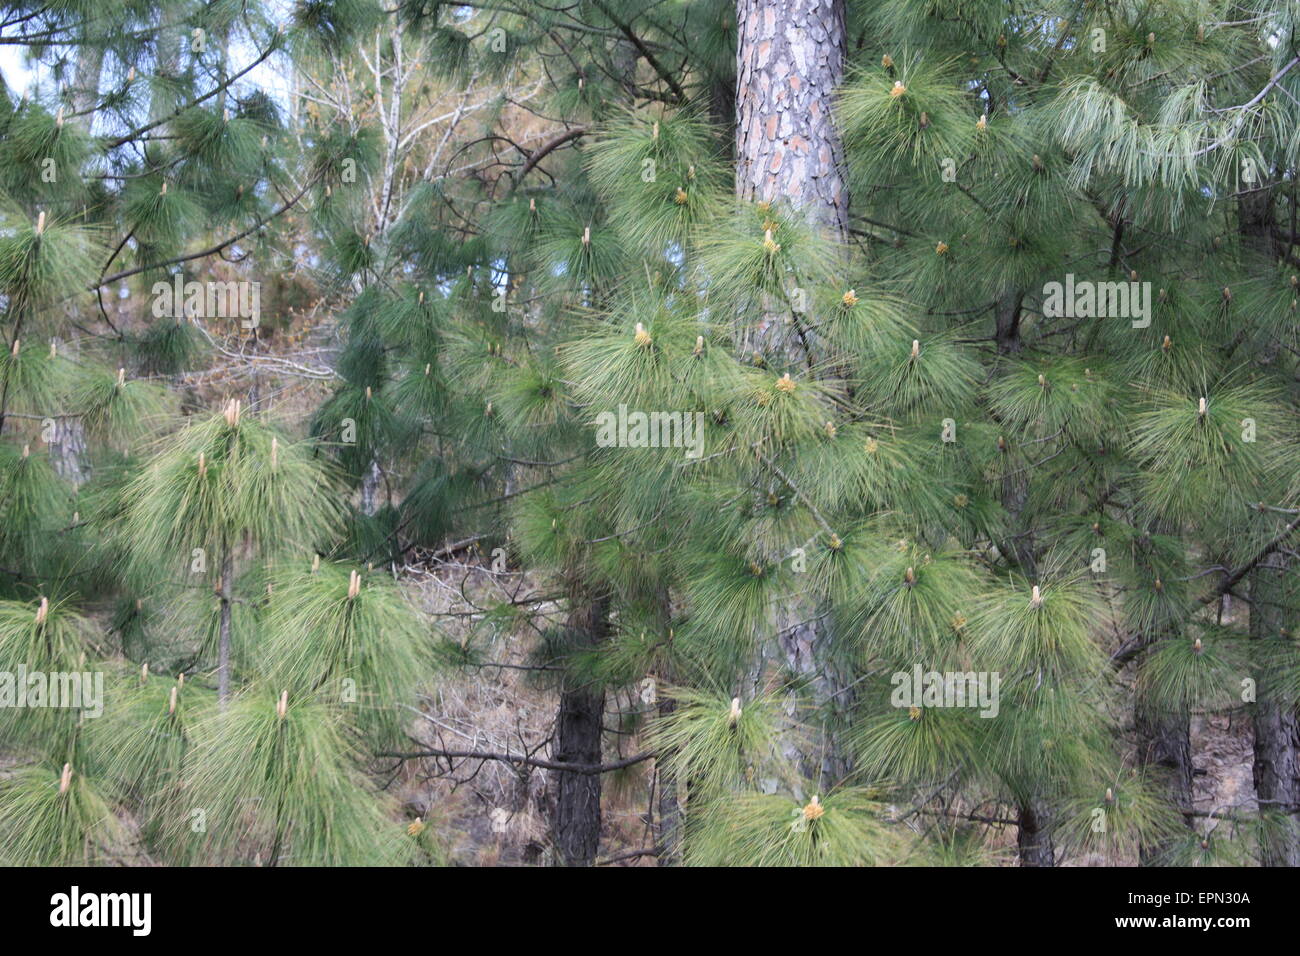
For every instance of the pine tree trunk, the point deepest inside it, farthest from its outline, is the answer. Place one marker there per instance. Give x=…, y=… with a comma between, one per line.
x=575, y=824
x=1006, y=332
x=1165, y=745
x=162, y=102
x=1164, y=740
x=789, y=65
x=668, y=835
x=68, y=454
x=669, y=839
x=370, y=483
x=808, y=647
x=223, y=640
x=85, y=91
x=1034, y=836
x=1277, y=729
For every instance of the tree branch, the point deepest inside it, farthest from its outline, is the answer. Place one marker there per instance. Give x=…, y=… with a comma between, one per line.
x=560, y=765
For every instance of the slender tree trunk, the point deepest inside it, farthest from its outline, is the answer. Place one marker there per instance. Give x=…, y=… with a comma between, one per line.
x=1164, y=744
x=668, y=835
x=1006, y=331
x=170, y=42
x=68, y=454
x=1277, y=728
x=722, y=105
x=85, y=90
x=1034, y=814
x=1164, y=739
x=670, y=810
x=221, y=39
x=1034, y=836
x=223, y=645
x=575, y=824
x=370, y=483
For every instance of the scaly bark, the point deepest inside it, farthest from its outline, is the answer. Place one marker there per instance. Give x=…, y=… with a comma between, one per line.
x=789, y=64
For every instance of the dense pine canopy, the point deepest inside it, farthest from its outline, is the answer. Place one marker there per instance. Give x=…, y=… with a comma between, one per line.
x=748, y=362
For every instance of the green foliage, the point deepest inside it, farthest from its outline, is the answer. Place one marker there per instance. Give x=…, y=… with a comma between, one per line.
x=760, y=830
x=44, y=824
x=283, y=789
x=224, y=481
x=364, y=654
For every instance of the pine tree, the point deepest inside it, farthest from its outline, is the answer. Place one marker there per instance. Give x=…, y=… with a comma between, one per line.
x=177, y=560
